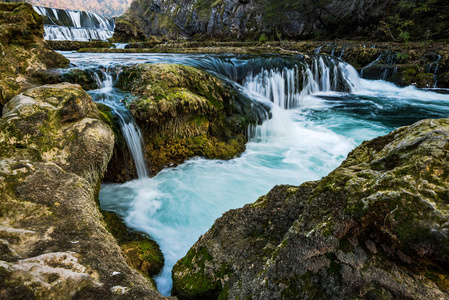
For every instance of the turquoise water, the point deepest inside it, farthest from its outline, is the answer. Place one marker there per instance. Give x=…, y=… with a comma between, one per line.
x=305, y=143
x=180, y=204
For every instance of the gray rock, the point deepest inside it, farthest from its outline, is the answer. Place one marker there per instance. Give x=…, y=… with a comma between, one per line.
x=374, y=228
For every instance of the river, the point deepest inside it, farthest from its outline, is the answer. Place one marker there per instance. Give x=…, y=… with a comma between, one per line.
x=309, y=134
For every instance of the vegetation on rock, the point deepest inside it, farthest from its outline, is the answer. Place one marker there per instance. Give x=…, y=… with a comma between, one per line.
x=186, y=112
x=54, y=149
x=76, y=45
x=376, y=227
x=23, y=51
x=397, y=20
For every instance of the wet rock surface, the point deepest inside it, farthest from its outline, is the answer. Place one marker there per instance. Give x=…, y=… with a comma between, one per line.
x=186, y=112
x=374, y=228
x=54, y=149
x=23, y=51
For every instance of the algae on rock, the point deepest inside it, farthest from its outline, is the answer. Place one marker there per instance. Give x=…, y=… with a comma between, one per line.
x=54, y=149
x=23, y=51
x=375, y=227
x=186, y=112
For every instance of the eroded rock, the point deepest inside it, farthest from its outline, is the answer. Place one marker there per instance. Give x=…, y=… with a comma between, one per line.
x=23, y=51
x=54, y=242
x=186, y=112
x=376, y=227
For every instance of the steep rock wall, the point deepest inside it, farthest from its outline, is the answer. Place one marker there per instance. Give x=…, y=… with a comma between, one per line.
x=299, y=19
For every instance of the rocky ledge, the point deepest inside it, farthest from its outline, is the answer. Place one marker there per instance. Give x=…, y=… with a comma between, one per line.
x=186, y=112
x=377, y=227
x=54, y=149
x=24, y=54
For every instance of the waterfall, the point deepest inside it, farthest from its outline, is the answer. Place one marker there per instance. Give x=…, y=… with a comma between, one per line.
x=69, y=25
x=288, y=88
x=130, y=131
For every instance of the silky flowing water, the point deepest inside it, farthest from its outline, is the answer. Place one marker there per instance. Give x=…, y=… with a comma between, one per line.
x=308, y=135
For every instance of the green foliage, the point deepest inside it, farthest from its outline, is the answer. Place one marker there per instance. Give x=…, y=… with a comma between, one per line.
x=404, y=36
x=263, y=38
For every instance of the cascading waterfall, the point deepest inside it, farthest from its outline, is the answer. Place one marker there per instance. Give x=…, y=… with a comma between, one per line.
x=131, y=133
x=289, y=88
x=286, y=88
x=69, y=25
x=332, y=115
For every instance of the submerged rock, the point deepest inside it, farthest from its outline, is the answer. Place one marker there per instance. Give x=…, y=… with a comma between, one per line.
x=23, y=51
x=377, y=227
x=186, y=112
x=54, y=244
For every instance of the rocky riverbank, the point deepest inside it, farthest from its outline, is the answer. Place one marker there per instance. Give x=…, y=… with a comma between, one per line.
x=374, y=228
x=24, y=55
x=54, y=149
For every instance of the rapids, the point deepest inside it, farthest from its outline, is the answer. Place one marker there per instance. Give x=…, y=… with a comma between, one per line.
x=309, y=133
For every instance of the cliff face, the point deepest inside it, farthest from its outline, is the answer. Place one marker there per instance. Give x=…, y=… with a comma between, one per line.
x=375, y=228
x=299, y=19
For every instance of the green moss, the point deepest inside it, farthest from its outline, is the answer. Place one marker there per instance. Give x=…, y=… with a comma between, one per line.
x=198, y=284
x=144, y=255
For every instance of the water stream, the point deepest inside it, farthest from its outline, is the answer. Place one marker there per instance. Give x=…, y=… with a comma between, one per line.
x=310, y=132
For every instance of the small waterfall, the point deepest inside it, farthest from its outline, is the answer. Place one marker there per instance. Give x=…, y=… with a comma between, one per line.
x=279, y=86
x=69, y=25
x=120, y=45
x=435, y=66
x=287, y=88
x=370, y=65
x=130, y=131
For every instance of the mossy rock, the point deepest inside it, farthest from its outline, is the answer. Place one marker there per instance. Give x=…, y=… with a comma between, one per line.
x=23, y=50
x=128, y=30
x=186, y=112
x=375, y=224
x=144, y=256
x=140, y=251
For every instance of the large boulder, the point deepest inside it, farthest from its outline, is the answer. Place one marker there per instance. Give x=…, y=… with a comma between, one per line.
x=54, y=149
x=186, y=112
x=377, y=227
x=23, y=51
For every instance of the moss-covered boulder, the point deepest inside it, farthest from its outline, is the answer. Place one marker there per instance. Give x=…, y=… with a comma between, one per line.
x=127, y=30
x=54, y=149
x=374, y=228
x=186, y=112
x=140, y=251
x=23, y=50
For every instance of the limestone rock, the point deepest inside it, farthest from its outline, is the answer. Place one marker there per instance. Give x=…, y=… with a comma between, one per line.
x=54, y=149
x=377, y=227
x=186, y=112
x=299, y=19
x=23, y=51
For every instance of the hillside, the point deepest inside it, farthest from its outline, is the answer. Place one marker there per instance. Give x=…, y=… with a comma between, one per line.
x=397, y=20
x=107, y=8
